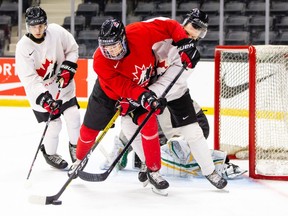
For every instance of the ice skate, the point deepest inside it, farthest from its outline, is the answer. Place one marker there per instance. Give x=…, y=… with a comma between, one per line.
x=142, y=175
x=215, y=179
x=54, y=160
x=232, y=171
x=136, y=162
x=159, y=184
x=79, y=165
x=72, y=151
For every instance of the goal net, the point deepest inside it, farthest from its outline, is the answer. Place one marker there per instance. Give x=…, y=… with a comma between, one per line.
x=251, y=107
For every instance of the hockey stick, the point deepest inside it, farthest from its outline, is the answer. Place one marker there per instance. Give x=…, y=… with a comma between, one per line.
x=54, y=199
x=43, y=135
x=98, y=177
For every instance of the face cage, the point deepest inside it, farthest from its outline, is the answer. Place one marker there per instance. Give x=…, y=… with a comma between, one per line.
x=120, y=54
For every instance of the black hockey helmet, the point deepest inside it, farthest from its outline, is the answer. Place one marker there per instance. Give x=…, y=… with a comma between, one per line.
x=112, y=39
x=198, y=19
x=35, y=15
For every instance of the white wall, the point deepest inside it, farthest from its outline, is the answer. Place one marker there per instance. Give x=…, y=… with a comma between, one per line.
x=201, y=83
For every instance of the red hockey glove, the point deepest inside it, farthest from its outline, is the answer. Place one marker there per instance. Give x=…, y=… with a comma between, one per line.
x=126, y=106
x=47, y=102
x=66, y=73
x=188, y=52
x=149, y=101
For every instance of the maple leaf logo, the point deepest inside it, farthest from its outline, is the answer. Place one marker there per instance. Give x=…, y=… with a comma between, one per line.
x=42, y=71
x=162, y=64
x=161, y=67
x=143, y=74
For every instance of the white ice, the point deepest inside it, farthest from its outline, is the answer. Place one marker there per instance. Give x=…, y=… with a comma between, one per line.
x=120, y=193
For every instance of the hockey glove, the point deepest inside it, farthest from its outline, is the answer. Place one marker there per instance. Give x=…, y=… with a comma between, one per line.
x=66, y=73
x=126, y=106
x=47, y=102
x=188, y=52
x=149, y=101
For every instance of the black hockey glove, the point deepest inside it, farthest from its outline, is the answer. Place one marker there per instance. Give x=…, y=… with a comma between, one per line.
x=149, y=100
x=188, y=52
x=66, y=73
x=47, y=102
x=126, y=106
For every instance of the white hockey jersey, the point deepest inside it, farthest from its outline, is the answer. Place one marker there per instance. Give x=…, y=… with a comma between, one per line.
x=168, y=66
x=37, y=65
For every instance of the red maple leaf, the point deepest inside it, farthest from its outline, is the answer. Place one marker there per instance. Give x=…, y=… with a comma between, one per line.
x=161, y=64
x=42, y=70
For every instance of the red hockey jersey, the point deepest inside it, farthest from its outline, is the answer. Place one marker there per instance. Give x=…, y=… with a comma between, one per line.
x=129, y=76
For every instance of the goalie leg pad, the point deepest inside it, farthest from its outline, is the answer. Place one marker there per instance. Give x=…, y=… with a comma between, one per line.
x=174, y=167
x=179, y=148
x=117, y=149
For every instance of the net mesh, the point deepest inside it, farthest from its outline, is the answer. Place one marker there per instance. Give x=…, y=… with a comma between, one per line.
x=271, y=109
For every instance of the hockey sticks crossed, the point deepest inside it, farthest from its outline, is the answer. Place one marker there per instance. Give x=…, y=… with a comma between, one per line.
x=102, y=176
x=44, y=133
x=98, y=177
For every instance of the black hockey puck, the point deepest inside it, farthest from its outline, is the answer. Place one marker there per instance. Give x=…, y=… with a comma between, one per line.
x=56, y=202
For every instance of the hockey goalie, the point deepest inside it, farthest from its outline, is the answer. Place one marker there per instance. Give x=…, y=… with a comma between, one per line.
x=176, y=157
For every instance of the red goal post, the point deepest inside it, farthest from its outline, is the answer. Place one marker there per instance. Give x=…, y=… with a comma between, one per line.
x=251, y=107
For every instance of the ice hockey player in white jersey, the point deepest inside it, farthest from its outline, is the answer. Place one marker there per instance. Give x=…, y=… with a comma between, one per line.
x=182, y=114
x=46, y=61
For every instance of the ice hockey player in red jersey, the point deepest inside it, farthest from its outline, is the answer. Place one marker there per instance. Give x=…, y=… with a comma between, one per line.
x=124, y=63
x=46, y=58
x=181, y=120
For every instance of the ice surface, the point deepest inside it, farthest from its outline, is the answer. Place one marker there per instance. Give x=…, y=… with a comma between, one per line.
x=121, y=193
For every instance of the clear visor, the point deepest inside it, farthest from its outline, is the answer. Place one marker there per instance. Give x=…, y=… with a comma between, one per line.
x=201, y=29
x=36, y=29
x=202, y=33
x=114, y=51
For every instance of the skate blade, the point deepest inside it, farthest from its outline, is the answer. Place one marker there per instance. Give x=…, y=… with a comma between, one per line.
x=237, y=175
x=145, y=183
x=162, y=192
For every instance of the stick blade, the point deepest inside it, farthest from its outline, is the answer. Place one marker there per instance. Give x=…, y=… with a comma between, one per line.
x=35, y=199
x=44, y=200
x=163, y=192
x=93, y=177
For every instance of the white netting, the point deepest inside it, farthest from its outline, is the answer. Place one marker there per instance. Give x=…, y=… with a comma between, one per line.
x=271, y=123
x=233, y=102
